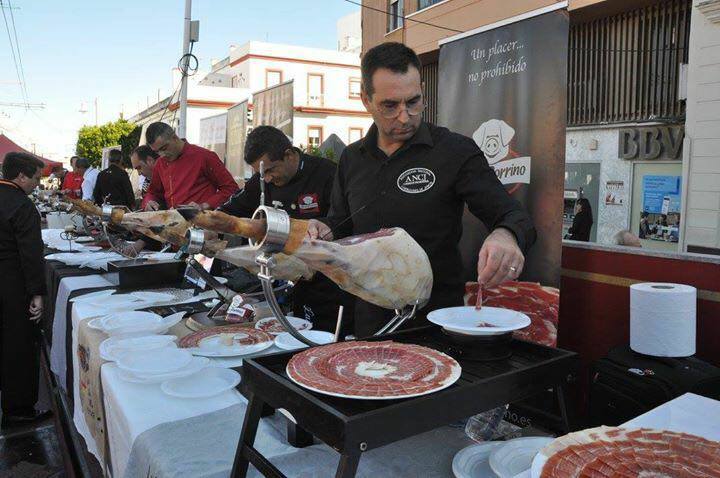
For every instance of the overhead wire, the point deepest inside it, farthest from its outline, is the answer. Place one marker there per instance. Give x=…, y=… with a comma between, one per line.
x=12, y=50
x=17, y=47
x=186, y=71
x=391, y=14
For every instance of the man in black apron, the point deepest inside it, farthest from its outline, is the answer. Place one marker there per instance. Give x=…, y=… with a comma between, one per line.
x=301, y=185
x=411, y=174
x=23, y=286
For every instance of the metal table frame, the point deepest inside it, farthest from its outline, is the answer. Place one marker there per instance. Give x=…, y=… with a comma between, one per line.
x=352, y=427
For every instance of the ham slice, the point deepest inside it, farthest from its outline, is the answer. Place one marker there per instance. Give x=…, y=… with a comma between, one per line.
x=386, y=268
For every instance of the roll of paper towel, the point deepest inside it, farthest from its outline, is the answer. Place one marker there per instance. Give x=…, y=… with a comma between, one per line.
x=662, y=319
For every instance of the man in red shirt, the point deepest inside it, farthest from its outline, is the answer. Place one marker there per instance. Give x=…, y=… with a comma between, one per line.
x=72, y=182
x=185, y=174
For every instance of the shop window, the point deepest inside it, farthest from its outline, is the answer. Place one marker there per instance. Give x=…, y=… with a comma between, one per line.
x=354, y=134
x=395, y=14
x=315, y=85
x=354, y=88
x=315, y=136
x=427, y=3
x=273, y=77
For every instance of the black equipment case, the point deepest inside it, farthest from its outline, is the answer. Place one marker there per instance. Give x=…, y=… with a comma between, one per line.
x=626, y=384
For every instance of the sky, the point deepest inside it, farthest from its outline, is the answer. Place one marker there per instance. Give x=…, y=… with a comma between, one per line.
x=122, y=52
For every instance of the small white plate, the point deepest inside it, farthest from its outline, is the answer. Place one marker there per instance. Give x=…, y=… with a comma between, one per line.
x=472, y=461
x=148, y=296
x=208, y=382
x=91, y=248
x=85, y=239
x=153, y=362
x=113, y=347
x=93, y=295
x=130, y=322
x=516, y=456
x=299, y=324
x=115, y=301
x=286, y=341
x=195, y=365
x=465, y=320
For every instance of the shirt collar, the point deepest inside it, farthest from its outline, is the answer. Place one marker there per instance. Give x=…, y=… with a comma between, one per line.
x=421, y=137
x=5, y=182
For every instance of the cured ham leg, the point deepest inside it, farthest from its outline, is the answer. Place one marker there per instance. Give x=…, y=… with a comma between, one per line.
x=286, y=267
x=387, y=268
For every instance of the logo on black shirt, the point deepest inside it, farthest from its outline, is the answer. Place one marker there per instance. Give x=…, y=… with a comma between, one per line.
x=416, y=180
x=309, y=203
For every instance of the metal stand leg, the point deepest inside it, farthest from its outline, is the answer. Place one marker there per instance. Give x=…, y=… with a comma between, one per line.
x=564, y=414
x=348, y=465
x=297, y=436
x=247, y=436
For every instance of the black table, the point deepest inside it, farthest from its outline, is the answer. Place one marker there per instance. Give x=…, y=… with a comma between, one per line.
x=352, y=427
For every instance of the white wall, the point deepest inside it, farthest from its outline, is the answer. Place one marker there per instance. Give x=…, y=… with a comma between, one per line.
x=338, y=125
x=702, y=130
x=609, y=219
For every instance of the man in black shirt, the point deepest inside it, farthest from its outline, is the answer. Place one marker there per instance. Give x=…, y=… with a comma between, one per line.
x=412, y=174
x=23, y=285
x=301, y=185
x=113, y=184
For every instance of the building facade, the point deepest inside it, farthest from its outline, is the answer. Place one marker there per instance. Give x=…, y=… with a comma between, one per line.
x=643, y=109
x=326, y=90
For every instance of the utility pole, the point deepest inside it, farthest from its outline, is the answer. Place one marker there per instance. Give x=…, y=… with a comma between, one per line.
x=96, y=114
x=182, y=126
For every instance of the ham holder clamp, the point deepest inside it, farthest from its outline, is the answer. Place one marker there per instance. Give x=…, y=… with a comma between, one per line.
x=354, y=426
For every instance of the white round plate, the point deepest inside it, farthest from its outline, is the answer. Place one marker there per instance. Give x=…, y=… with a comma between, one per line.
x=159, y=256
x=472, y=461
x=211, y=347
x=115, y=301
x=85, y=239
x=91, y=248
x=153, y=362
x=197, y=364
x=131, y=322
x=148, y=296
x=516, y=456
x=208, y=382
x=111, y=348
x=93, y=295
x=465, y=320
x=286, y=341
x=537, y=465
x=299, y=324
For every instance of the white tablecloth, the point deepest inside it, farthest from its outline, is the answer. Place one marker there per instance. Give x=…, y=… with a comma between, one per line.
x=687, y=413
x=132, y=408
x=58, y=351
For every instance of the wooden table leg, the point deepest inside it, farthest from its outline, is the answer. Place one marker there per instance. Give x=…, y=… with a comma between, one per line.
x=297, y=436
x=247, y=435
x=348, y=465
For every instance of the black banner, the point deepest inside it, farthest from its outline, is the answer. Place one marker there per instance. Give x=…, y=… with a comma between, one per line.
x=506, y=88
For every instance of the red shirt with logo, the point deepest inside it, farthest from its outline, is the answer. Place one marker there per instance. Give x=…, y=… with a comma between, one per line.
x=197, y=175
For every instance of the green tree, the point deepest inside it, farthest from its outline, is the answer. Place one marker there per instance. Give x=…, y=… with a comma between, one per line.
x=92, y=139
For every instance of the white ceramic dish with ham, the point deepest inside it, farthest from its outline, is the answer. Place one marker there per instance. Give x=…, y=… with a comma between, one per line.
x=487, y=321
x=271, y=325
x=226, y=341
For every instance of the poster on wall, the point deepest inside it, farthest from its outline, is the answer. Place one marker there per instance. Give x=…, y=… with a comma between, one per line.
x=212, y=134
x=235, y=133
x=615, y=193
x=506, y=88
x=274, y=106
x=660, y=216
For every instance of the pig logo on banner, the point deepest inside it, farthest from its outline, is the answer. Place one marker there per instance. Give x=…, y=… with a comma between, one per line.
x=493, y=137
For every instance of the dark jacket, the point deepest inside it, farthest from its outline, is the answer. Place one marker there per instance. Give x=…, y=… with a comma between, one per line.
x=114, y=183
x=581, y=226
x=21, y=243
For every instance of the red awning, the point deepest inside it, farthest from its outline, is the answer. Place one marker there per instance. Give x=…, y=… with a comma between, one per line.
x=9, y=146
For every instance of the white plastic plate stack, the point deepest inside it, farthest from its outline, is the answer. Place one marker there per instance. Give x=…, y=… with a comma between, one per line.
x=160, y=365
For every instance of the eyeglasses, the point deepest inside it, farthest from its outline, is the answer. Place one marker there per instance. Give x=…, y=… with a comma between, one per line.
x=392, y=109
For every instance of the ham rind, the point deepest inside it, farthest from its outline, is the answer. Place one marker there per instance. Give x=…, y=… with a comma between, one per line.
x=538, y=302
x=373, y=369
x=255, y=336
x=286, y=267
x=620, y=452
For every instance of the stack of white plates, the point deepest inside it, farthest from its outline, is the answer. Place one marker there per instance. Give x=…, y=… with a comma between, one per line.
x=486, y=321
x=159, y=365
x=509, y=459
x=113, y=347
x=286, y=341
x=134, y=323
x=207, y=383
